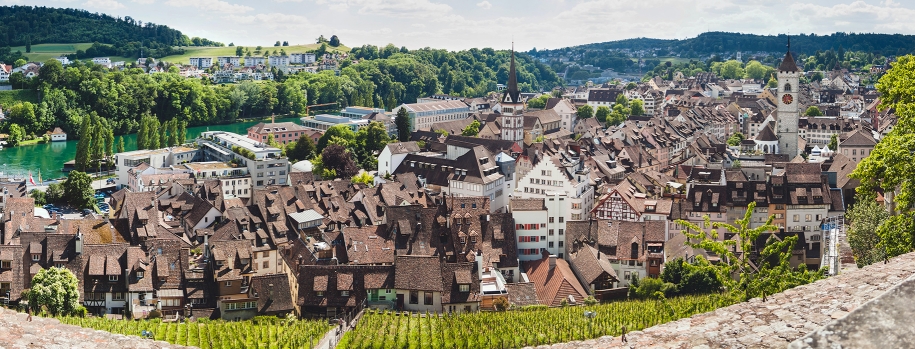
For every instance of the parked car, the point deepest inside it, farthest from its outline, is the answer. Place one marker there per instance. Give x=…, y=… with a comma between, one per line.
x=87, y=211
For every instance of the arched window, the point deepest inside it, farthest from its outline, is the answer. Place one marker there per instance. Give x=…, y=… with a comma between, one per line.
x=634, y=251
x=787, y=87
x=766, y=149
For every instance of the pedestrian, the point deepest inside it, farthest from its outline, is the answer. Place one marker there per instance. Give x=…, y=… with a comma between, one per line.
x=624, y=335
x=29, y=309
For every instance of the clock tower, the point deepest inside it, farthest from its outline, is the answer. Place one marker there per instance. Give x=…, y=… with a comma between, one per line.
x=512, y=107
x=788, y=111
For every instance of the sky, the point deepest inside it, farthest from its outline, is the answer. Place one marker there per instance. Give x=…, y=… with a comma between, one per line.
x=456, y=25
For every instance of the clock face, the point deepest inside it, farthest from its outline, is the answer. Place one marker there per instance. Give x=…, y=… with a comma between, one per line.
x=787, y=99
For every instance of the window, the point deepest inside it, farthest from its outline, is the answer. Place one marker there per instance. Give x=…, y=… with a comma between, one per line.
x=560, y=243
x=561, y=231
x=319, y=293
x=344, y=293
x=36, y=257
x=117, y=296
x=464, y=288
x=265, y=265
x=414, y=297
x=797, y=218
x=551, y=232
x=551, y=219
x=561, y=219
x=112, y=278
x=6, y=264
x=807, y=218
x=140, y=274
x=428, y=298
x=551, y=244
x=543, y=225
x=228, y=283
x=463, y=240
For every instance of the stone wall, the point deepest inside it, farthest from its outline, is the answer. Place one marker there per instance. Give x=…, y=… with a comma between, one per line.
x=782, y=319
x=16, y=332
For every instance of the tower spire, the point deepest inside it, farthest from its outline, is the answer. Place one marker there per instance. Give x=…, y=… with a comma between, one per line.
x=514, y=94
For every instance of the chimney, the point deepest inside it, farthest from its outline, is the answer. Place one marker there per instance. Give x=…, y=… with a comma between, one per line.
x=478, y=261
x=79, y=243
x=552, y=261
x=206, y=246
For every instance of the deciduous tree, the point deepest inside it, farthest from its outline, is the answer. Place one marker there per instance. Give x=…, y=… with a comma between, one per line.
x=57, y=290
x=402, y=120
x=585, y=111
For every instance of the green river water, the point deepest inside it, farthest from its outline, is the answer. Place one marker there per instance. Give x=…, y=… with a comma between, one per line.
x=50, y=157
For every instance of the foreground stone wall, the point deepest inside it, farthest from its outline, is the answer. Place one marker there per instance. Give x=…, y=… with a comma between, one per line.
x=16, y=332
x=782, y=319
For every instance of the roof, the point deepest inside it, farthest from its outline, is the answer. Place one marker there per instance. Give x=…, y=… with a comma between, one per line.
x=554, y=284
x=403, y=148
x=437, y=105
x=858, y=138
x=422, y=273
x=603, y=95
x=589, y=266
x=306, y=216
x=276, y=127
x=534, y=204
x=512, y=93
x=766, y=135
x=522, y=293
x=788, y=63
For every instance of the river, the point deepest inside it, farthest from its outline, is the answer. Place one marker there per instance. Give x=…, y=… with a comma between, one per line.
x=50, y=157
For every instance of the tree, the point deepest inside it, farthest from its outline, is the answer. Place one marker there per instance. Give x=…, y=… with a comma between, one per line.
x=17, y=134
x=813, y=111
x=833, y=143
x=51, y=72
x=757, y=71
x=585, y=112
x=334, y=41
x=57, y=290
x=84, y=145
x=363, y=178
x=239, y=51
x=372, y=138
x=38, y=196
x=636, y=107
x=602, y=113
x=691, y=278
x=755, y=278
x=652, y=288
x=731, y=69
x=19, y=62
x=622, y=100
x=277, y=44
x=773, y=83
x=285, y=43
x=865, y=218
x=735, y=139
x=301, y=149
x=182, y=132
x=77, y=190
x=172, y=132
x=539, y=102
x=54, y=194
x=121, y=144
x=337, y=159
x=402, y=120
x=339, y=134
x=321, y=39
x=471, y=130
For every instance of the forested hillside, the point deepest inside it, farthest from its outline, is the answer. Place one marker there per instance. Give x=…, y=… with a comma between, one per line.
x=710, y=43
x=28, y=25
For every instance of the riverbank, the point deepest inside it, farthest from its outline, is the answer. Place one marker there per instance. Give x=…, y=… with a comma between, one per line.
x=49, y=158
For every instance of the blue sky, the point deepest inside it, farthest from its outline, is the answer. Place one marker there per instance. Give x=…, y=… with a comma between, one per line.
x=458, y=25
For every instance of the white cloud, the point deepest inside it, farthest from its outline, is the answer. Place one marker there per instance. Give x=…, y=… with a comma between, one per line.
x=393, y=8
x=484, y=4
x=287, y=0
x=104, y=4
x=143, y=2
x=210, y=5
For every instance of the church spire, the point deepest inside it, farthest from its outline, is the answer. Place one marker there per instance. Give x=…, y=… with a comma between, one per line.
x=788, y=63
x=512, y=92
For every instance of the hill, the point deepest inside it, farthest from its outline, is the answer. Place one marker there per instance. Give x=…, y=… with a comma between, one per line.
x=711, y=43
x=230, y=51
x=28, y=27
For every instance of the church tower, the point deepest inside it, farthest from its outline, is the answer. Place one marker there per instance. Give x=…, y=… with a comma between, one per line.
x=788, y=113
x=512, y=107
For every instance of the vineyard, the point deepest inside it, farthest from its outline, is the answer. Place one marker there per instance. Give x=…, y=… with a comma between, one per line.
x=262, y=332
x=516, y=329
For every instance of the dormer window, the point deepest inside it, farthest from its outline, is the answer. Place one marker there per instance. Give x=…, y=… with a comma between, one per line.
x=36, y=257
x=140, y=274
x=319, y=293
x=344, y=293
x=473, y=239
x=463, y=240
x=6, y=264
x=112, y=278
x=464, y=288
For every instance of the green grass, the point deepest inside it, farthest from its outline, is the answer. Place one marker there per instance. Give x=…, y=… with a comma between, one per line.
x=230, y=51
x=8, y=98
x=44, y=52
x=263, y=332
x=516, y=329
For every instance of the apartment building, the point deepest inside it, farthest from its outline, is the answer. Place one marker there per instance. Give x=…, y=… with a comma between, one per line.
x=264, y=163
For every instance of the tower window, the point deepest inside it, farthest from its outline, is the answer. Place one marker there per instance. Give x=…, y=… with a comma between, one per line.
x=787, y=87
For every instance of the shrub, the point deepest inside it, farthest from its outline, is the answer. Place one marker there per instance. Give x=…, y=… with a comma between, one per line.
x=591, y=301
x=154, y=314
x=652, y=288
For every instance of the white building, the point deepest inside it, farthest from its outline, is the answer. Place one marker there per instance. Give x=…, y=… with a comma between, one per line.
x=325, y=121
x=393, y=154
x=234, y=181
x=280, y=61
x=265, y=164
x=302, y=58
x=540, y=224
x=102, y=61
x=254, y=61
x=63, y=60
x=424, y=115
x=563, y=174
x=235, y=61
x=154, y=158
x=201, y=62
x=567, y=113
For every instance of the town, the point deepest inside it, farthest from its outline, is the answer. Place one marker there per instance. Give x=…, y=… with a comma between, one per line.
x=228, y=227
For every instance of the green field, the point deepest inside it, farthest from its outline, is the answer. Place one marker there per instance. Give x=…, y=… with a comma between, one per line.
x=518, y=328
x=672, y=60
x=44, y=52
x=230, y=51
x=261, y=332
x=8, y=98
